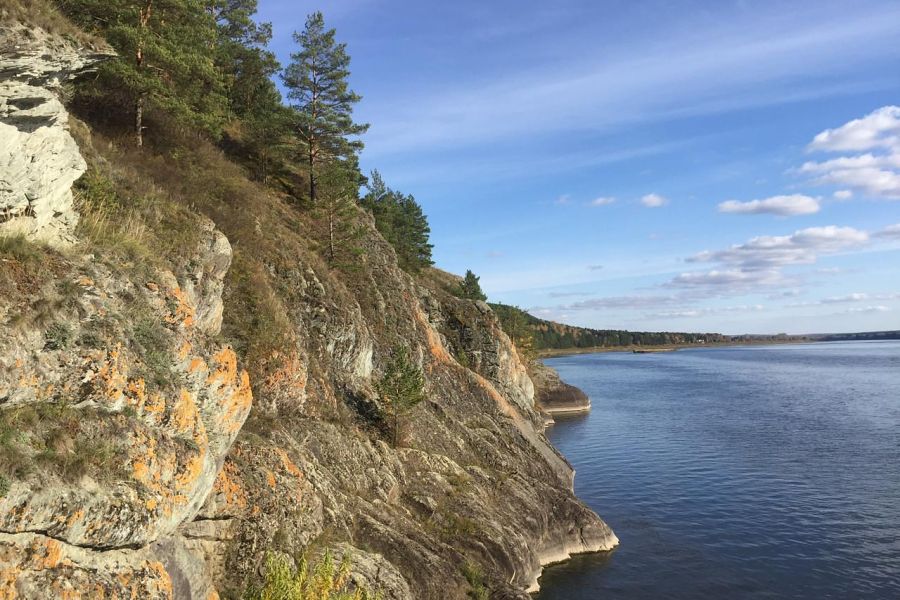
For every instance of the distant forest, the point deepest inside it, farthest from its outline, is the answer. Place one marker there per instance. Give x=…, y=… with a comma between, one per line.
x=538, y=335
x=548, y=335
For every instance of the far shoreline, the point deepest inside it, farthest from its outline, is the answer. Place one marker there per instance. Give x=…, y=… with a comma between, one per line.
x=552, y=353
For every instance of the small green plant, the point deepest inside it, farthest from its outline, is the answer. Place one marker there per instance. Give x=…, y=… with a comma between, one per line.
x=328, y=580
x=153, y=339
x=401, y=388
x=4, y=486
x=57, y=337
x=475, y=576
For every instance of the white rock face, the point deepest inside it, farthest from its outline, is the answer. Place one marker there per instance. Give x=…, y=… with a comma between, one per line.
x=39, y=160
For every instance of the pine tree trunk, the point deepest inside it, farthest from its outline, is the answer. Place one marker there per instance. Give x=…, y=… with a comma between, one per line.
x=144, y=21
x=138, y=121
x=331, y=234
x=312, y=175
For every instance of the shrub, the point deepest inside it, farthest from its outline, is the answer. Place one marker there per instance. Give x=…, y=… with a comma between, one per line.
x=475, y=576
x=328, y=580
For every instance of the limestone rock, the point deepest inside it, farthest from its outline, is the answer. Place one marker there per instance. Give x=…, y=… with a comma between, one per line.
x=39, y=160
x=125, y=384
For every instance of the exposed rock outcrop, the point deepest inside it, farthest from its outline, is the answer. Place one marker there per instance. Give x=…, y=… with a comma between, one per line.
x=123, y=411
x=554, y=396
x=39, y=160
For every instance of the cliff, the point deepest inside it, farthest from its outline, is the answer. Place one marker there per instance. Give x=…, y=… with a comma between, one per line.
x=174, y=296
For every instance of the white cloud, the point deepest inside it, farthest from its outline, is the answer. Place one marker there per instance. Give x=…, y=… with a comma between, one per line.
x=875, y=173
x=757, y=263
x=785, y=206
x=801, y=247
x=602, y=201
x=654, y=201
x=878, y=129
x=595, y=267
x=564, y=199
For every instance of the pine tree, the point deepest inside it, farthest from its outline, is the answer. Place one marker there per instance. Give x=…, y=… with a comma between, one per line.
x=401, y=388
x=317, y=84
x=165, y=60
x=401, y=221
x=470, y=288
x=247, y=66
x=337, y=215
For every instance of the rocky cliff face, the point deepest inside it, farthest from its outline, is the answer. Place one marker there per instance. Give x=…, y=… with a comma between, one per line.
x=39, y=160
x=128, y=469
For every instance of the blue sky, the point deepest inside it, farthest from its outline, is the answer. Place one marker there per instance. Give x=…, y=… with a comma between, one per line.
x=727, y=166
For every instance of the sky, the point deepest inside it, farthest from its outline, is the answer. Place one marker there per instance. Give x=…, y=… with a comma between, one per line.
x=729, y=166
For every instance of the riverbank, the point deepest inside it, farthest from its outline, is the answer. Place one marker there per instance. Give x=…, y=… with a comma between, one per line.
x=553, y=352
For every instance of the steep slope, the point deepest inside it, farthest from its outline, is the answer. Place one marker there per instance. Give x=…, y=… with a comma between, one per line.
x=127, y=472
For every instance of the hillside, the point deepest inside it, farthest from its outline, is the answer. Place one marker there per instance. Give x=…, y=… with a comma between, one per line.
x=196, y=380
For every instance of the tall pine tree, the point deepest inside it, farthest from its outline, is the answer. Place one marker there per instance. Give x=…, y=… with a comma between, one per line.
x=165, y=60
x=317, y=84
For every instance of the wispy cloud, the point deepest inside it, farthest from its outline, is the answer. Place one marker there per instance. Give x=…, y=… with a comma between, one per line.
x=784, y=206
x=890, y=232
x=602, y=201
x=707, y=311
x=760, y=261
x=655, y=79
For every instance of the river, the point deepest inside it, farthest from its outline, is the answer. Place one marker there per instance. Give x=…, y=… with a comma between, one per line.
x=745, y=472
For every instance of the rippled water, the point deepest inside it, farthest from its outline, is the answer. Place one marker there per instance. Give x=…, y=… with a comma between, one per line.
x=764, y=472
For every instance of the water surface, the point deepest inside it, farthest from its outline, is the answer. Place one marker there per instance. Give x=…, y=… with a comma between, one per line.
x=760, y=472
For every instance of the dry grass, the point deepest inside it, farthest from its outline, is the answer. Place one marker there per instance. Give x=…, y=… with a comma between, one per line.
x=44, y=14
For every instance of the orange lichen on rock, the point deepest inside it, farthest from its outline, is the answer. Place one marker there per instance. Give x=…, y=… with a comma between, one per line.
x=270, y=479
x=288, y=464
x=184, y=350
x=8, y=576
x=192, y=471
x=163, y=582
x=228, y=484
x=112, y=374
x=290, y=372
x=184, y=311
x=237, y=400
x=184, y=417
x=196, y=365
x=45, y=554
x=75, y=517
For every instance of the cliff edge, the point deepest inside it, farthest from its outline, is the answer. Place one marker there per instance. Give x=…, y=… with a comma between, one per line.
x=187, y=387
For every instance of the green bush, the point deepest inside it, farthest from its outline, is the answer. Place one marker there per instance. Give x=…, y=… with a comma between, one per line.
x=328, y=580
